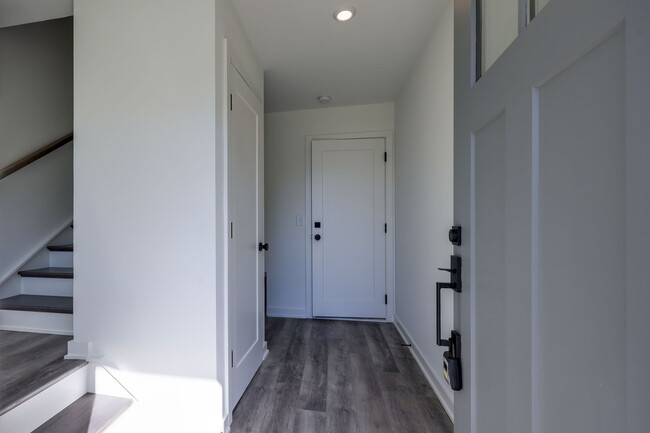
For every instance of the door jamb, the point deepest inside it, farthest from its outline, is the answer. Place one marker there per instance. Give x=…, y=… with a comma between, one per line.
x=390, y=215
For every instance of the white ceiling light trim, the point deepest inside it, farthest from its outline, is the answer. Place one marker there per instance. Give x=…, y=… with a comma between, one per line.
x=345, y=14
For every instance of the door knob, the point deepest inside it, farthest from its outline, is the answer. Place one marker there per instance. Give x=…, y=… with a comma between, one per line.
x=264, y=247
x=317, y=237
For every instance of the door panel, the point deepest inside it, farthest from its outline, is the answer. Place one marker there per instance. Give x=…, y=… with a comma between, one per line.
x=246, y=263
x=550, y=154
x=489, y=148
x=348, y=199
x=582, y=241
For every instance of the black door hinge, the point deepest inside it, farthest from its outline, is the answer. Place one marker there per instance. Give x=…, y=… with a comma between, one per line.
x=231, y=102
x=386, y=299
x=231, y=230
x=385, y=156
x=385, y=228
x=232, y=359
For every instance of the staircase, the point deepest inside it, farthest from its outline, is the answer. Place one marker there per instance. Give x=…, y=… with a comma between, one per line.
x=39, y=390
x=44, y=304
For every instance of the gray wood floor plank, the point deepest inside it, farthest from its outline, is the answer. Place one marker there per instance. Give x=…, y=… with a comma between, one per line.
x=313, y=390
x=342, y=421
x=367, y=403
x=339, y=383
x=338, y=377
x=306, y=421
x=280, y=410
x=296, y=355
x=379, y=350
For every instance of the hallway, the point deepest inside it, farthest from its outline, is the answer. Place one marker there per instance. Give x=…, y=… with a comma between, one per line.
x=338, y=377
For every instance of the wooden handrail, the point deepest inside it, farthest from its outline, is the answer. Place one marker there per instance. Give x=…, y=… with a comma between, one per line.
x=35, y=156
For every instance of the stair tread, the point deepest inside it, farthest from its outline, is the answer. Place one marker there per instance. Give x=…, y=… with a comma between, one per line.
x=92, y=413
x=37, y=303
x=29, y=364
x=48, y=273
x=65, y=248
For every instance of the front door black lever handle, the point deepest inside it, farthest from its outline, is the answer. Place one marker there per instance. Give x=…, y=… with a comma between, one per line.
x=264, y=247
x=453, y=271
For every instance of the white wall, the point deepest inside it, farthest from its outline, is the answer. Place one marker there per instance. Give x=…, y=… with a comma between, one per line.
x=150, y=102
x=35, y=109
x=424, y=197
x=285, y=166
x=17, y=12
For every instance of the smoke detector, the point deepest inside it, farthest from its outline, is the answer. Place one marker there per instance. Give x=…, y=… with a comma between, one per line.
x=324, y=99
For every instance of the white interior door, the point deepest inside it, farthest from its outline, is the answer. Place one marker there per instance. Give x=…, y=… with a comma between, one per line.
x=245, y=261
x=551, y=184
x=348, y=228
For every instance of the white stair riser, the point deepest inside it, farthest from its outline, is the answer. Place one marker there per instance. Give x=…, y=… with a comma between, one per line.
x=47, y=286
x=41, y=323
x=61, y=259
x=28, y=416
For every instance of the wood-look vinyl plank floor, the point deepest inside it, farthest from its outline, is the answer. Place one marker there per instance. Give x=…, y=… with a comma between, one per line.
x=325, y=376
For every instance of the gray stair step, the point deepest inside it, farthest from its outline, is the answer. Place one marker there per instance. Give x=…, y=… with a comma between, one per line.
x=48, y=273
x=64, y=248
x=29, y=364
x=42, y=304
x=92, y=413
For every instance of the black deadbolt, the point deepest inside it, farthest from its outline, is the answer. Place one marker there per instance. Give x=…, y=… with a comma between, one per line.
x=317, y=237
x=455, y=235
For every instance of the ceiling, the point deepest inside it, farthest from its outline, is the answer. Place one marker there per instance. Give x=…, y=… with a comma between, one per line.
x=16, y=12
x=306, y=53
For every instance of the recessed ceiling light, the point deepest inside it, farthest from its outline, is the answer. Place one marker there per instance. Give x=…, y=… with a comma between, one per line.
x=324, y=99
x=345, y=14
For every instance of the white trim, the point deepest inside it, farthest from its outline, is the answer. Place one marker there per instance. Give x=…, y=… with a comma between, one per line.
x=390, y=215
x=292, y=313
x=265, y=347
x=437, y=387
x=34, y=252
x=36, y=322
x=78, y=350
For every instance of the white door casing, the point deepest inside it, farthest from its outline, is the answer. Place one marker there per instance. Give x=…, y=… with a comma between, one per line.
x=246, y=217
x=551, y=187
x=349, y=249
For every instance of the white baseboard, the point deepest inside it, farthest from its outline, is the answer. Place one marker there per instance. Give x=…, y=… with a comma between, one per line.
x=265, y=346
x=37, y=322
x=436, y=385
x=29, y=415
x=78, y=350
x=226, y=424
x=292, y=313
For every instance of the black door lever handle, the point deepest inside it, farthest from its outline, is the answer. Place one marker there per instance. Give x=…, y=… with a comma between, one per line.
x=453, y=271
x=264, y=247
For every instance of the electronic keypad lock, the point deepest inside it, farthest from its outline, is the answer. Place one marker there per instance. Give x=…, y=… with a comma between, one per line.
x=452, y=358
x=451, y=365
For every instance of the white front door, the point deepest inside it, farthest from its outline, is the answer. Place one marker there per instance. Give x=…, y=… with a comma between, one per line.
x=245, y=261
x=348, y=228
x=552, y=186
